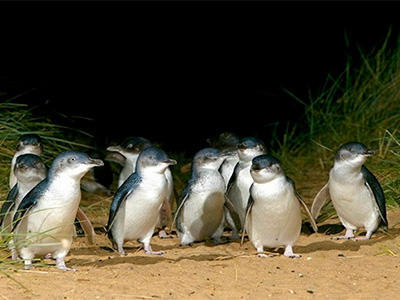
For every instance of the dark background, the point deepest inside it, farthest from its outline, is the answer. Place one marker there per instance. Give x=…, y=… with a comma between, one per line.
x=180, y=72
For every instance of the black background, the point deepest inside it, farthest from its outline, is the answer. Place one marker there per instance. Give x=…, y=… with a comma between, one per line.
x=180, y=72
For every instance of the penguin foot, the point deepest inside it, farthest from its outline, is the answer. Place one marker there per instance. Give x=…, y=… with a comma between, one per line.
x=342, y=237
x=149, y=250
x=155, y=252
x=264, y=255
x=293, y=255
x=60, y=264
x=162, y=234
x=29, y=267
x=289, y=252
x=47, y=256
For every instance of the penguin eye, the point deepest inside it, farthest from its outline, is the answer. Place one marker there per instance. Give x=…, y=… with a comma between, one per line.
x=72, y=159
x=129, y=146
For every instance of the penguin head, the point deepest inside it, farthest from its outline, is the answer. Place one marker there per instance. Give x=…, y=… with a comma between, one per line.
x=131, y=146
x=208, y=158
x=250, y=147
x=226, y=142
x=265, y=168
x=31, y=143
x=73, y=164
x=353, y=153
x=155, y=159
x=29, y=166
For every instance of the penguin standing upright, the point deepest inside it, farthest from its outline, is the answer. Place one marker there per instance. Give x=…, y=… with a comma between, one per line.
x=241, y=179
x=44, y=220
x=130, y=149
x=29, y=170
x=135, y=208
x=273, y=212
x=202, y=205
x=356, y=193
x=32, y=143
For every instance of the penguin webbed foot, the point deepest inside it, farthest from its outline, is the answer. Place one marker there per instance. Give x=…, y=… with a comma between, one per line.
x=162, y=234
x=60, y=264
x=264, y=255
x=149, y=250
x=289, y=252
x=348, y=235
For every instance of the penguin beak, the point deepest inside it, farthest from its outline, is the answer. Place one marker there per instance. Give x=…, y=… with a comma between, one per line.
x=171, y=161
x=96, y=162
x=369, y=152
x=114, y=148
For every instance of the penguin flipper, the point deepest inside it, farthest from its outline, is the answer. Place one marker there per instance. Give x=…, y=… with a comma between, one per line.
x=249, y=206
x=320, y=199
x=232, y=178
x=233, y=213
x=373, y=184
x=9, y=203
x=309, y=215
x=182, y=199
x=28, y=202
x=129, y=185
x=86, y=226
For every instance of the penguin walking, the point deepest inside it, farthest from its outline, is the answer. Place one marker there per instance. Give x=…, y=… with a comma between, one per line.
x=227, y=143
x=135, y=208
x=130, y=149
x=27, y=143
x=273, y=212
x=44, y=220
x=32, y=143
x=201, y=210
x=29, y=170
x=241, y=179
x=356, y=193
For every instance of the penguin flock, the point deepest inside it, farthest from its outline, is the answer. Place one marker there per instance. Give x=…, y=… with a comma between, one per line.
x=234, y=184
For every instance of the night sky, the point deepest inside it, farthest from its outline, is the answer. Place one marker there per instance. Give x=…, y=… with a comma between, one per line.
x=179, y=72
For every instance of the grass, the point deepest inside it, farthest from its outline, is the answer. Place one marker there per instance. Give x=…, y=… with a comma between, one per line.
x=362, y=104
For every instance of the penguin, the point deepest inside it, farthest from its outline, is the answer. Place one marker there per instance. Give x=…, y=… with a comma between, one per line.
x=44, y=220
x=32, y=143
x=29, y=170
x=135, y=208
x=356, y=193
x=226, y=142
x=273, y=211
x=201, y=210
x=241, y=179
x=130, y=149
x=27, y=143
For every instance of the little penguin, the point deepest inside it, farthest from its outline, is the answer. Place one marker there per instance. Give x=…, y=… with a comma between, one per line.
x=44, y=220
x=226, y=142
x=201, y=210
x=32, y=143
x=135, y=208
x=241, y=179
x=130, y=149
x=29, y=170
x=27, y=143
x=273, y=212
x=356, y=193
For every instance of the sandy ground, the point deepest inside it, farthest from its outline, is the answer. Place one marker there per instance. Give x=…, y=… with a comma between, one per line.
x=327, y=269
